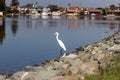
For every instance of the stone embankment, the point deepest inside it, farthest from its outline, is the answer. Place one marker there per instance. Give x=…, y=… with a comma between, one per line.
x=86, y=60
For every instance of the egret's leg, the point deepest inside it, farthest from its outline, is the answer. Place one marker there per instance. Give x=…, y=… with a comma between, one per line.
x=61, y=52
x=64, y=55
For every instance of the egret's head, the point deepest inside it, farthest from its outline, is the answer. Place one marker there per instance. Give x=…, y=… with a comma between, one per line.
x=56, y=33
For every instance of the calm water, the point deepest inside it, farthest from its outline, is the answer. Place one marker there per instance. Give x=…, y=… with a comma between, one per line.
x=28, y=41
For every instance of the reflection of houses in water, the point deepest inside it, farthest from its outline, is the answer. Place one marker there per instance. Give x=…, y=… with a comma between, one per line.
x=72, y=24
x=2, y=30
x=73, y=17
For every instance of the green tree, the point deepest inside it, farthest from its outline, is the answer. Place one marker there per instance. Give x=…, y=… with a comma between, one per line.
x=112, y=7
x=29, y=5
x=2, y=5
x=27, y=11
x=53, y=7
x=14, y=3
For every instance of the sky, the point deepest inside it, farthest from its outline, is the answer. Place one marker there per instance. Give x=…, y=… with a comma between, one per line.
x=64, y=3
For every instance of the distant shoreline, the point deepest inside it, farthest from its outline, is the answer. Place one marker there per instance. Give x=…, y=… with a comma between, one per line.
x=81, y=16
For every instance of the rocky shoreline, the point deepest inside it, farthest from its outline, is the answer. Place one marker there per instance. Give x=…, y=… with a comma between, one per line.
x=86, y=60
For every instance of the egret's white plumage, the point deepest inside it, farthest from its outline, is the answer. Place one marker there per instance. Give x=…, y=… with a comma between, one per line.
x=61, y=44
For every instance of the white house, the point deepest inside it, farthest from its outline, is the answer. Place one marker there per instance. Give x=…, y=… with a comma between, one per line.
x=34, y=10
x=45, y=12
x=1, y=13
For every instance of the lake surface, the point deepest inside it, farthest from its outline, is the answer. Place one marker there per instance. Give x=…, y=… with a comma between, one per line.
x=30, y=40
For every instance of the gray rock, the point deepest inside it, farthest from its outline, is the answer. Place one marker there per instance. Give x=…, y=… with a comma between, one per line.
x=29, y=68
x=2, y=77
x=84, y=57
x=90, y=68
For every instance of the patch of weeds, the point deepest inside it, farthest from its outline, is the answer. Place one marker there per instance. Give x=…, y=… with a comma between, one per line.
x=110, y=73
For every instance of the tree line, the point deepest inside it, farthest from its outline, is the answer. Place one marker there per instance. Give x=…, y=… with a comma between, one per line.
x=3, y=6
x=53, y=7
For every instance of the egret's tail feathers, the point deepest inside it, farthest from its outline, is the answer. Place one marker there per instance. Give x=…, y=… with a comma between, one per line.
x=64, y=55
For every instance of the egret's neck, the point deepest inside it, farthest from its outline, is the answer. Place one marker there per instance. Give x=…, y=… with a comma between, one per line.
x=57, y=36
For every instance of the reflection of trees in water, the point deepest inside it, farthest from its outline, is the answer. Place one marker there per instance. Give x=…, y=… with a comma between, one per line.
x=113, y=25
x=2, y=31
x=14, y=27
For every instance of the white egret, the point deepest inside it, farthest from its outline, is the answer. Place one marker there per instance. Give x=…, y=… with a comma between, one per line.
x=61, y=44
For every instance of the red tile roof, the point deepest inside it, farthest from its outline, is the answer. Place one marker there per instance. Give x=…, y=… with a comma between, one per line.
x=73, y=9
x=13, y=7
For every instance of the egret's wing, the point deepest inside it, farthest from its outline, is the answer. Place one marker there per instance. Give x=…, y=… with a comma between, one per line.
x=62, y=45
